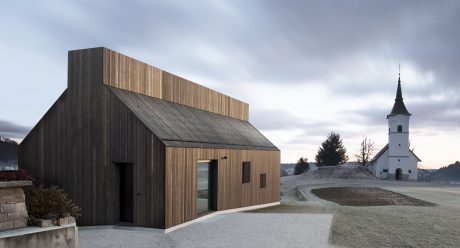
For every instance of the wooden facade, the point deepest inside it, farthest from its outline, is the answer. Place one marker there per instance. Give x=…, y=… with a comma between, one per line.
x=90, y=129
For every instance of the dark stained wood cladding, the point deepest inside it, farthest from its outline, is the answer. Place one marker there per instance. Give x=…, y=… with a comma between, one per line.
x=129, y=74
x=231, y=192
x=75, y=144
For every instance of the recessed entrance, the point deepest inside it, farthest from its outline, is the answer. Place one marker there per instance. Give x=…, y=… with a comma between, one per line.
x=126, y=192
x=398, y=174
x=206, y=180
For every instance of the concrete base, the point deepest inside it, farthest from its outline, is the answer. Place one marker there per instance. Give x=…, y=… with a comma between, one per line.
x=168, y=230
x=233, y=210
x=45, y=237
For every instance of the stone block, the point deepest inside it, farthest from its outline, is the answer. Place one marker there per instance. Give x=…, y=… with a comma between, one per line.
x=12, y=195
x=44, y=223
x=7, y=226
x=21, y=206
x=20, y=224
x=71, y=219
x=63, y=221
x=7, y=207
x=3, y=217
x=18, y=216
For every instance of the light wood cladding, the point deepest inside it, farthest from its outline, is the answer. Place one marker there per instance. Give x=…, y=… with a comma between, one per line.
x=129, y=74
x=180, y=198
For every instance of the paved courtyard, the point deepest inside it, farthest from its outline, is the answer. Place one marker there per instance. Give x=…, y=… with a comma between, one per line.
x=227, y=230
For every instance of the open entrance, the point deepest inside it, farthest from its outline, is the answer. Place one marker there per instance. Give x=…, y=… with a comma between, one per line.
x=398, y=175
x=206, y=180
x=126, y=192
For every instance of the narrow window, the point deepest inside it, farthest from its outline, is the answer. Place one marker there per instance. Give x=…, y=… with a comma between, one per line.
x=263, y=180
x=246, y=172
x=399, y=129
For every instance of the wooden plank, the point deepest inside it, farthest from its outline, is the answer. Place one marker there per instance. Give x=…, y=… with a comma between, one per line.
x=126, y=73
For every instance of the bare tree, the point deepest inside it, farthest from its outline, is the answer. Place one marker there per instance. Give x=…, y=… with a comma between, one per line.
x=366, y=150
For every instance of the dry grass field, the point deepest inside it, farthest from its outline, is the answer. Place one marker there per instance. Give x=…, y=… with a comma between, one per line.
x=380, y=226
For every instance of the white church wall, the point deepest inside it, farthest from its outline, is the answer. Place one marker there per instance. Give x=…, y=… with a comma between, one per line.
x=414, y=170
x=381, y=165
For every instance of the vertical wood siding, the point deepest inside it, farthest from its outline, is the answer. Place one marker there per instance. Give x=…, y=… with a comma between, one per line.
x=75, y=144
x=231, y=192
x=88, y=128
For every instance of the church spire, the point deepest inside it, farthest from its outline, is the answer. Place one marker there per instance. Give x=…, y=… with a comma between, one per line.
x=399, y=92
x=399, y=107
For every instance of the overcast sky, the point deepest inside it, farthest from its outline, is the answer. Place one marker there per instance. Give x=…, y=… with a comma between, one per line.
x=306, y=68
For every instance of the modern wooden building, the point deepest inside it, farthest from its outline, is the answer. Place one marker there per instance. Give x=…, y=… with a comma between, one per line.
x=132, y=143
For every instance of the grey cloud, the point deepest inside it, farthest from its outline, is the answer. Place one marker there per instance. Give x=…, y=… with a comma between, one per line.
x=12, y=130
x=436, y=114
x=281, y=120
x=268, y=41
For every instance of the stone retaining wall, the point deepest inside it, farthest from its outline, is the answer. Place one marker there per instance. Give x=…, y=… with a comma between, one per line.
x=41, y=237
x=13, y=212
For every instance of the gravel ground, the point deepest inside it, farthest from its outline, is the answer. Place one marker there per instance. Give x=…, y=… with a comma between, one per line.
x=229, y=230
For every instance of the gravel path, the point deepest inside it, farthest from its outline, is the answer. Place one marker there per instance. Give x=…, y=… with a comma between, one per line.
x=229, y=230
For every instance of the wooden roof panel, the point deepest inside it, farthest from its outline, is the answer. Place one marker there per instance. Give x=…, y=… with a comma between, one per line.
x=179, y=125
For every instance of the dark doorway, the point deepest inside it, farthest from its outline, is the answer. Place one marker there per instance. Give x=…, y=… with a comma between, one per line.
x=126, y=192
x=398, y=175
x=206, y=194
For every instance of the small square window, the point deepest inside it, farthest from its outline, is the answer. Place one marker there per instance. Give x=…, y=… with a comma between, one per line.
x=385, y=170
x=246, y=172
x=263, y=180
x=410, y=171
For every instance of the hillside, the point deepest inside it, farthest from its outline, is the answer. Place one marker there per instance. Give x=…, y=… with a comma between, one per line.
x=8, y=150
x=447, y=173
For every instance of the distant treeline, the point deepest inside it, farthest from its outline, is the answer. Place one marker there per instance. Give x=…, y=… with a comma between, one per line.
x=447, y=173
x=8, y=150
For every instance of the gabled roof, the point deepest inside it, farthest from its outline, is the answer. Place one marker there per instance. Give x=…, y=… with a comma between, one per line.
x=377, y=156
x=380, y=153
x=179, y=125
x=399, y=107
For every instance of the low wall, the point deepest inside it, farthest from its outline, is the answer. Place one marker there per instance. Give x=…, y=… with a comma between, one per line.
x=13, y=212
x=65, y=236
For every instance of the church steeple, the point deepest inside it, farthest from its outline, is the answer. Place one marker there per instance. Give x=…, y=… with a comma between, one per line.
x=399, y=107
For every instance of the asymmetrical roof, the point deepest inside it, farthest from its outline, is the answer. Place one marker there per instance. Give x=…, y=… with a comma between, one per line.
x=399, y=107
x=178, y=125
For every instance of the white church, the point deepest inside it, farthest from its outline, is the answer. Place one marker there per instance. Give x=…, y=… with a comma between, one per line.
x=396, y=161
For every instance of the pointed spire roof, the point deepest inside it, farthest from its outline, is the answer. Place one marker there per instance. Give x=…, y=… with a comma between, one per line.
x=399, y=107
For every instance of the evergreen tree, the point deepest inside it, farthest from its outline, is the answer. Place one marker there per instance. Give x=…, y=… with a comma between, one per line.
x=331, y=152
x=301, y=166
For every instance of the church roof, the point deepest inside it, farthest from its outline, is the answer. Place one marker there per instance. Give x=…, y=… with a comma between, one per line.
x=377, y=156
x=380, y=153
x=399, y=107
